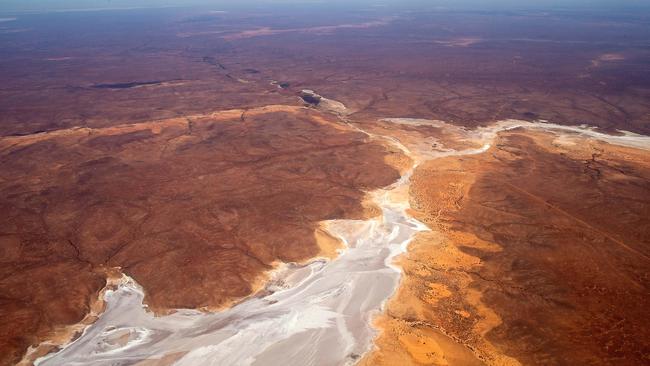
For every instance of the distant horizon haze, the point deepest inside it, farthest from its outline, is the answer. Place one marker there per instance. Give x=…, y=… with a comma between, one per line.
x=19, y=6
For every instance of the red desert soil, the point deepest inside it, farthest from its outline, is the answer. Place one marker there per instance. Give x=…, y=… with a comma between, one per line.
x=538, y=256
x=206, y=204
x=195, y=209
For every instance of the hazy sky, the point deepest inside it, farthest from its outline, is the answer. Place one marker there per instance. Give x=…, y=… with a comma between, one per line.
x=45, y=5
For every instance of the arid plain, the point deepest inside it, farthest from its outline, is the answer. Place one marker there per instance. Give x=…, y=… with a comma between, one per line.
x=173, y=146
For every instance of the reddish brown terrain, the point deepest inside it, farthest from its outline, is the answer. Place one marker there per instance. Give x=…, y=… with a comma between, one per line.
x=538, y=256
x=195, y=209
x=464, y=67
x=172, y=145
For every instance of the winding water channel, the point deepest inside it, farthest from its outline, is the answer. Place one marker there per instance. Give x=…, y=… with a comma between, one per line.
x=316, y=314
